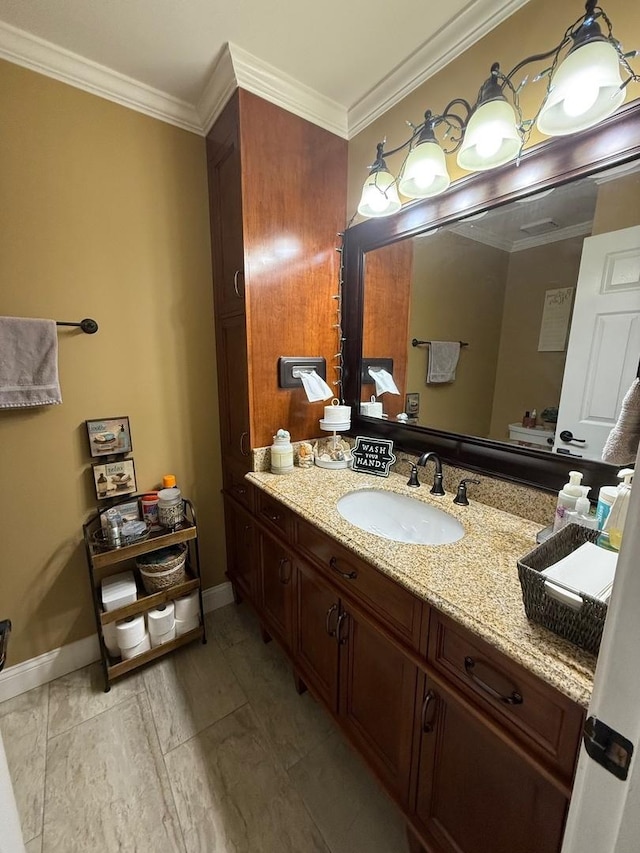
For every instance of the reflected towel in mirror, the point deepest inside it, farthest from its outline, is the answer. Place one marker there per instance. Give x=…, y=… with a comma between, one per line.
x=622, y=444
x=443, y=360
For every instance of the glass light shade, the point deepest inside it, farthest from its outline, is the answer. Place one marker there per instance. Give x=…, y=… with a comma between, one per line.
x=425, y=172
x=379, y=195
x=584, y=90
x=491, y=137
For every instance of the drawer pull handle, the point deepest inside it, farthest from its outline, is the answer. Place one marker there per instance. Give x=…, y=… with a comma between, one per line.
x=333, y=564
x=330, y=631
x=236, y=276
x=284, y=579
x=427, y=726
x=514, y=699
x=243, y=451
x=340, y=639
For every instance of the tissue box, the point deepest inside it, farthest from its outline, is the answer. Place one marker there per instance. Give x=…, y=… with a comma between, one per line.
x=584, y=626
x=119, y=590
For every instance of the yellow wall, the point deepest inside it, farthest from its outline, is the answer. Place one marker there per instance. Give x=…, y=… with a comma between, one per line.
x=104, y=214
x=527, y=379
x=457, y=293
x=617, y=204
x=533, y=29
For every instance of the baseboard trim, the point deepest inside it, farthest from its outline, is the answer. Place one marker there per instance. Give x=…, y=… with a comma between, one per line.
x=51, y=665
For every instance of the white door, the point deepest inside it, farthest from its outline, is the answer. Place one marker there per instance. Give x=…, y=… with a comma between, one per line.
x=604, y=815
x=10, y=832
x=604, y=344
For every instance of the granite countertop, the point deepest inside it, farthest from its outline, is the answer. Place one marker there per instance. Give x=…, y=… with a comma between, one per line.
x=474, y=581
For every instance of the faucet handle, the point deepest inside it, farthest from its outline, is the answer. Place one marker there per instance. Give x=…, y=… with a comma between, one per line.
x=413, y=478
x=461, y=495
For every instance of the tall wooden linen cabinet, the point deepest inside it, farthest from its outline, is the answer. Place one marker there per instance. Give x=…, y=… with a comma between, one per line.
x=277, y=198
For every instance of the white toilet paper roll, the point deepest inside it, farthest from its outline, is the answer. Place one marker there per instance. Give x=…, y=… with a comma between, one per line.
x=130, y=632
x=110, y=638
x=163, y=638
x=143, y=646
x=183, y=626
x=187, y=606
x=160, y=620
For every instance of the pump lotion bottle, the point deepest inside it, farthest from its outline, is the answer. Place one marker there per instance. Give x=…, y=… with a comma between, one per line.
x=567, y=498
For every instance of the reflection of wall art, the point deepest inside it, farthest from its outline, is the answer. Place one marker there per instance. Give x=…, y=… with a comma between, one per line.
x=112, y=435
x=114, y=478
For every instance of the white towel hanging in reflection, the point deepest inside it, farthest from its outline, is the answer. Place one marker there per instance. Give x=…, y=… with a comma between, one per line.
x=443, y=360
x=621, y=446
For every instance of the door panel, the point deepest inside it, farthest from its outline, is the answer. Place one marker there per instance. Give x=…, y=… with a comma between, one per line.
x=377, y=696
x=604, y=344
x=475, y=794
x=316, y=649
x=242, y=556
x=276, y=574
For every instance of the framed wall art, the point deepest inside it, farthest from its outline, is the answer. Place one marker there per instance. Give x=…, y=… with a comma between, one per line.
x=113, y=479
x=109, y=436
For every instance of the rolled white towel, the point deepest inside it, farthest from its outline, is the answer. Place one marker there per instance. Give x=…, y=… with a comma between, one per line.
x=621, y=446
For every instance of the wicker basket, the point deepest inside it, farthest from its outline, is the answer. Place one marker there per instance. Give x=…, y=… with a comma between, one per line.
x=163, y=569
x=584, y=626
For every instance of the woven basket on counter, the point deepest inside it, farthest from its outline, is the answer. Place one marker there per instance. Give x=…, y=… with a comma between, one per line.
x=164, y=568
x=584, y=626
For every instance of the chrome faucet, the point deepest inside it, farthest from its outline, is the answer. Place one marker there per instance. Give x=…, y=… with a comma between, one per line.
x=436, y=489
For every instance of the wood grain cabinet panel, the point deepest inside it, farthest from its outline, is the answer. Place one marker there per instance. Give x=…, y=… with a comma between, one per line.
x=398, y=610
x=377, y=696
x=548, y=722
x=242, y=551
x=475, y=793
x=276, y=572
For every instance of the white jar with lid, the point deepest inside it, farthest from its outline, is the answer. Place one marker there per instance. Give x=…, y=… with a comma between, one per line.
x=170, y=508
x=281, y=453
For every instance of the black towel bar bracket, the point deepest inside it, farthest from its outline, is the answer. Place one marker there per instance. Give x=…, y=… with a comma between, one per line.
x=88, y=326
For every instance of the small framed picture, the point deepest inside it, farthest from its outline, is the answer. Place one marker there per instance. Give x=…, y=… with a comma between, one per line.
x=112, y=435
x=113, y=479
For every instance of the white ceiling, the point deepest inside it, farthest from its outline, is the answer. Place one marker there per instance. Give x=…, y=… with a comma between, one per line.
x=339, y=62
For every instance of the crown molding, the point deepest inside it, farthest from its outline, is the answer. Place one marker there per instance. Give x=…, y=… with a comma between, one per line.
x=268, y=82
x=619, y=172
x=497, y=241
x=474, y=22
x=36, y=54
x=221, y=85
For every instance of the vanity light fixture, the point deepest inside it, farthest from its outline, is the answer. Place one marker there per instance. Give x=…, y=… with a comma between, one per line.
x=584, y=87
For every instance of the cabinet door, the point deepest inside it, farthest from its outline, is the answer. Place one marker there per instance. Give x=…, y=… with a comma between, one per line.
x=475, y=793
x=233, y=381
x=276, y=570
x=316, y=649
x=225, y=208
x=377, y=697
x=242, y=556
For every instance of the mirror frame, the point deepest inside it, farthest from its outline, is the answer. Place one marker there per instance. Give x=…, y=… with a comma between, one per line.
x=612, y=143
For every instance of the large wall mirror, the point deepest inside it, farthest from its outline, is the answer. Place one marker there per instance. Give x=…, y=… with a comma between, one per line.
x=535, y=269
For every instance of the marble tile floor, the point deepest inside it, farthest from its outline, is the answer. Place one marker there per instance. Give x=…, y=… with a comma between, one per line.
x=208, y=750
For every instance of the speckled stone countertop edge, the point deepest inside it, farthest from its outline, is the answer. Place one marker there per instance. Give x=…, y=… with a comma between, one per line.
x=487, y=599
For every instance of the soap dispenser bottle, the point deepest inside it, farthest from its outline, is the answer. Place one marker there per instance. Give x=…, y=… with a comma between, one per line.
x=567, y=498
x=582, y=513
x=614, y=525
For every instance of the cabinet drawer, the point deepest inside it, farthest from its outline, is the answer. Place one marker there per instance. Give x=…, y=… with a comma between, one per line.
x=525, y=704
x=273, y=514
x=238, y=487
x=394, y=606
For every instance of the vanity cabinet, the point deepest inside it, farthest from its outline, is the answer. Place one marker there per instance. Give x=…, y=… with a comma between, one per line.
x=476, y=792
x=242, y=551
x=361, y=676
x=477, y=751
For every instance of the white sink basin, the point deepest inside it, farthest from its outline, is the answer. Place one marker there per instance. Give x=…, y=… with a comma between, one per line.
x=399, y=517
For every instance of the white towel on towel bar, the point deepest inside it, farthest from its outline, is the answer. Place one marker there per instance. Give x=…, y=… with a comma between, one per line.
x=28, y=363
x=443, y=360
